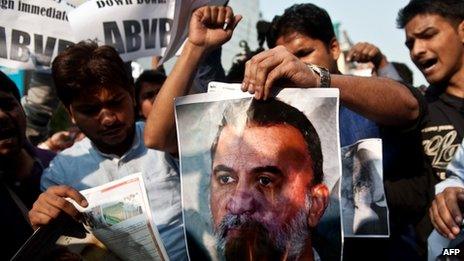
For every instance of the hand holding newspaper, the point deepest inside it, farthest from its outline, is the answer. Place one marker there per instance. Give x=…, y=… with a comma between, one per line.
x=119, y=216
x=119, y=219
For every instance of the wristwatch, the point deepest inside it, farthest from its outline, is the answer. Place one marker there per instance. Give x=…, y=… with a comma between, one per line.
x=323, y=73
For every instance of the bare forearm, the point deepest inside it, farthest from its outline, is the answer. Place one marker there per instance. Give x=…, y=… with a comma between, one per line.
x=160, y=127
x=380, y=99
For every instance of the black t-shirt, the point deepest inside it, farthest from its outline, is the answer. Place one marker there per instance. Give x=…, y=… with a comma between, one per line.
x=418, y=156
x=442, y=130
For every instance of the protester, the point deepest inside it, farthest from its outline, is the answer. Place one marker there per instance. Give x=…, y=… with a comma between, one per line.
x=307, y=31
x=401, y=108
x=147, y=87
x=98, y=92
x=160, y=129
x=434, y=37
x=307, y=45
x=436, y=47
x=21, y=166
x=305, y=36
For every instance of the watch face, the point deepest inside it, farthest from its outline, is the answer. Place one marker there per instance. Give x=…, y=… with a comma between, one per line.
x=323, y=73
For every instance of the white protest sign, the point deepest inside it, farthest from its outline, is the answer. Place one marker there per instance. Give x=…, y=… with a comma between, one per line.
x=135, y=28
x=33, y=32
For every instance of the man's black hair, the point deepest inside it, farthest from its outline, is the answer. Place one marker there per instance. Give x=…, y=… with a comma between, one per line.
x=452, y=10
x=273, y=112
x=86, y=65
x=306, y=19
x=7, y=85
x=149, y=76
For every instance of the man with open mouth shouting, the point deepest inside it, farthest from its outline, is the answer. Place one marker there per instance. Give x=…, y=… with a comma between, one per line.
x=435, y=39
x=434, y=32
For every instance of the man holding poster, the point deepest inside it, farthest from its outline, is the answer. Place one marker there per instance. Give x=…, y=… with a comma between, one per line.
x=204, y=36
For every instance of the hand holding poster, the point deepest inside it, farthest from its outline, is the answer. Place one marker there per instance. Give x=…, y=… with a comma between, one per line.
x=257, y=175
x=33, y=32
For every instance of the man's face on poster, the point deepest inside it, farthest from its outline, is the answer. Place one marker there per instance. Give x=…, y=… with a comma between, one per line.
x=261, y=190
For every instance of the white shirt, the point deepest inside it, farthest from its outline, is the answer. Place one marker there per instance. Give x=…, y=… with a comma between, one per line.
x=83, y=166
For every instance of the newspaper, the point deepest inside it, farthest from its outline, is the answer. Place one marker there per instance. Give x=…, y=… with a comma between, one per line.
x=119, y=216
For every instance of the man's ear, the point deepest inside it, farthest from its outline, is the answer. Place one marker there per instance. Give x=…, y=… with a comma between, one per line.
x=461, y=31
x=334, y=48
x=319, y=196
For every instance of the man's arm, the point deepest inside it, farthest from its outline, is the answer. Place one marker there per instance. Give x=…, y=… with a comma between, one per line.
x=206, y=33
x=380, y=99
x=446, y=210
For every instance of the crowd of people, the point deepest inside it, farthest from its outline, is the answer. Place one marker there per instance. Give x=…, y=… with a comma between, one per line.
x=124, y=126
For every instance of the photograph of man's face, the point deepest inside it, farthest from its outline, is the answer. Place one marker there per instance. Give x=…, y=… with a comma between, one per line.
x=263, y=189
x=255, y=180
